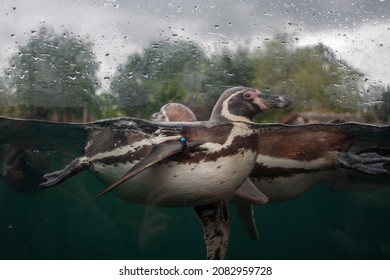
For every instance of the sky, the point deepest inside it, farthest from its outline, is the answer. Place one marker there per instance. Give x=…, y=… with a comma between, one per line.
x=357, y=30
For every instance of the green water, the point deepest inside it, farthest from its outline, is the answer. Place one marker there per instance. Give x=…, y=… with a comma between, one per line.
x=67, y=222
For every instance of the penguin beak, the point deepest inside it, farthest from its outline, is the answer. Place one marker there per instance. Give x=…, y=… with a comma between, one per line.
x=268, y=101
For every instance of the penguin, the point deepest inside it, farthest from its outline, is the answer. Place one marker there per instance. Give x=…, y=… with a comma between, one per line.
x=214, y=217
x=306, y=155
x=317, y=152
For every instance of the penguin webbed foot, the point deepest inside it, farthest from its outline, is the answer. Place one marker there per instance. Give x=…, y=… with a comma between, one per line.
x=57, y=177
x=382, y=151
x=367, y=162
x=215, y=221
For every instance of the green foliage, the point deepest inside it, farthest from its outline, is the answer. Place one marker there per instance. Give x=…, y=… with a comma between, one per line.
x=4, y=93
x=228, y=69
x=105, y=107
x=383, y=109
x=54, y=74
x=312, y=76
x=163, y=72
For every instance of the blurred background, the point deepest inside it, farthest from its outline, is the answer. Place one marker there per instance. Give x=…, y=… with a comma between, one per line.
x=83, y=60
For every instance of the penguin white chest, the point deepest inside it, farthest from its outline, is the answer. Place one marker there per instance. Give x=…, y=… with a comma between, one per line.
x=212, y=173
x=172, y=183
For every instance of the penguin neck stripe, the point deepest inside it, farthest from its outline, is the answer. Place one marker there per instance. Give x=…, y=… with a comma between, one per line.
x=225, y=112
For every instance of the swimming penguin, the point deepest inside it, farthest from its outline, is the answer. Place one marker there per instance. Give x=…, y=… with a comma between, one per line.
x=308, y=154
x=197, y=164
x=217, y=219
x=174, y=112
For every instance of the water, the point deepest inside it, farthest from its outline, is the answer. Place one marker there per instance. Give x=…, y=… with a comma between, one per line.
x=67, y=222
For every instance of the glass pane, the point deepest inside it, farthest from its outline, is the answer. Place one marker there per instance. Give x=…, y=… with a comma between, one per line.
x=82, y=61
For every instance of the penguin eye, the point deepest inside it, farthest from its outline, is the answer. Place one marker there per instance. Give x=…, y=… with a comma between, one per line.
x=247, y=95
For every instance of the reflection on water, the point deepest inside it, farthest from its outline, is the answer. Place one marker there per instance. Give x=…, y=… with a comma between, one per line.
x=67, y=222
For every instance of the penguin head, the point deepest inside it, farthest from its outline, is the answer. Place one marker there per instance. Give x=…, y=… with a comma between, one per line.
x=174, y=112
x=243, y=104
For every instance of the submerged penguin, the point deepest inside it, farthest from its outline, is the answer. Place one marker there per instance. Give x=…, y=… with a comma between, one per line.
x=197, y=164
x=292, y=159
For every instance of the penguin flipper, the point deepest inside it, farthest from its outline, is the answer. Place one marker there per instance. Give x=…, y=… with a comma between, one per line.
x=368, y=162
x=250, y=193
x=215, y=221
x=158, y=153
x=55, y=178
x=245, y=212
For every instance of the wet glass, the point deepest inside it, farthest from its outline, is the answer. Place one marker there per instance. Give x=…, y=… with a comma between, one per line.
x=82, y=61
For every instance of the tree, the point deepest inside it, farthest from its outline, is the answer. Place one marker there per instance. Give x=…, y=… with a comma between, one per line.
x=5, y=97
x=382, y=107
x=226, y=69
x=312, y=76
x=164, y=72
x=4, y=93
x=54, y=74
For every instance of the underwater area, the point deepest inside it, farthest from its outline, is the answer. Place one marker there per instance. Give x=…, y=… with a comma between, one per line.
x=111, y=58
x=68, y=222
